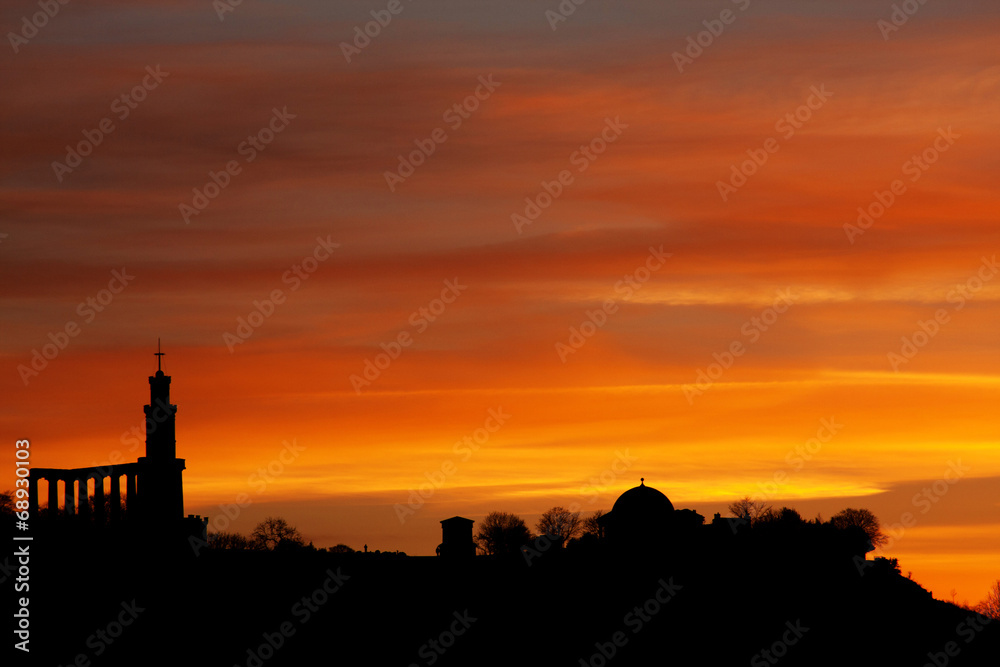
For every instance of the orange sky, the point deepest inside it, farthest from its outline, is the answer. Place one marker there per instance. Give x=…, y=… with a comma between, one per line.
x=629, y=392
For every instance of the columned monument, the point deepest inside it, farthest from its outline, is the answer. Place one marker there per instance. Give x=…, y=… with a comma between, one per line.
x=154, y=489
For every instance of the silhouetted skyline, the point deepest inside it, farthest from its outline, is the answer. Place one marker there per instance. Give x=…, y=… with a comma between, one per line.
x=476, y=257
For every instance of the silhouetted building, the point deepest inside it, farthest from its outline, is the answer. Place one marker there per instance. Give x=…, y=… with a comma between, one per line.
x=456, y=538
x=154, y=489
x=642, y=515
x=731, y=524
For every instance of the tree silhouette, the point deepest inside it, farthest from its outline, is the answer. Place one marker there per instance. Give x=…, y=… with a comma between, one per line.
x=273, y=532
x=43, y=511
x=7, y=503
x=226, y=540
x=785, y=516
x=991, y=605
x=501, y=533
x=749, y=509
x=341, y=549
x=560, y=525
x=862, y=519
x=591, y=526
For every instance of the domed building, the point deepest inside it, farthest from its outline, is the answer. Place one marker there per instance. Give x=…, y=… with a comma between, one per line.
x=640, y=515
x=643, y=517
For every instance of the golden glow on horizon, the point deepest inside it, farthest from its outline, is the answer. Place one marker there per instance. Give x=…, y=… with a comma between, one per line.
x=494, y=347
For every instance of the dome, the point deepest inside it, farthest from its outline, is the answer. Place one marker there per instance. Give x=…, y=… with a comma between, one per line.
x=642, y=501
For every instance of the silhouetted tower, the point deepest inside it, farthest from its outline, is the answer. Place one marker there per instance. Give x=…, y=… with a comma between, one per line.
x=456, y=538
x=161, y=489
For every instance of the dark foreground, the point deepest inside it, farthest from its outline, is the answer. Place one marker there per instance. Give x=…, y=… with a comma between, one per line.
x=735, y=606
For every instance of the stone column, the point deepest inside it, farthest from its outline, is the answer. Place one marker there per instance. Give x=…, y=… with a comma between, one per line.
x=83, y=508
x=116, y=498
x=69, y=498
x=53, y=496
x=32, y=496
x=99, y=500
x=131, y=509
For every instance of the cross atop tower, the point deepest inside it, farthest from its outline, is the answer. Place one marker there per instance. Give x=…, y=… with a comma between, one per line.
x=158, y=355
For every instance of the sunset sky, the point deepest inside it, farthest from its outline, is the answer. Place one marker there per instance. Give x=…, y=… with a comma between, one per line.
x=573, y=343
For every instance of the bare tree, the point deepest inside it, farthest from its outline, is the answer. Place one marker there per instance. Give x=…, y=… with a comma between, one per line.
x=991, y=605
x=591, y=525
x=785, y=515
x=226, y=540
x=749, y=509
x=275, y=531
x=862, y=519
x=560, y=525
x=7, y=503
x=501, y=533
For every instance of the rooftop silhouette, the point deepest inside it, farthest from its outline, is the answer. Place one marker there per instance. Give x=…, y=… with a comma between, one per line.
x=644, y=583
